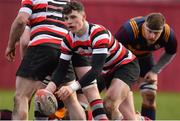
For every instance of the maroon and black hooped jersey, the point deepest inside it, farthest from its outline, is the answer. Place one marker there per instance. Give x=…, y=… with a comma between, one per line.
x=97, y=40
x=46, y=21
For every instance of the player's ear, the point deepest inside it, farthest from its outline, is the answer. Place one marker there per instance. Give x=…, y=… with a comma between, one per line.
x=84, y=15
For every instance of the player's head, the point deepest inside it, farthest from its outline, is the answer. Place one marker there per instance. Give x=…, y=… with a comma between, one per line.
x=74, y=16
x=153, y=27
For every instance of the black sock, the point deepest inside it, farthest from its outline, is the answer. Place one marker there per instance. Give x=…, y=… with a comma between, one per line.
x=148, y=111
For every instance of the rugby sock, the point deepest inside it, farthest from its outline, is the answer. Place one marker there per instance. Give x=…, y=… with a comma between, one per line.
x=98, y=111
x=84, y=105
x=148, y=111
x=89, y=115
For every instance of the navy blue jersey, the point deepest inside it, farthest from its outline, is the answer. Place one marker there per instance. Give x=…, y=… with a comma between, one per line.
x=131, y=36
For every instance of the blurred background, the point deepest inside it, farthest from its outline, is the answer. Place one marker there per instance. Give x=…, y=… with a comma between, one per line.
x=111, y=14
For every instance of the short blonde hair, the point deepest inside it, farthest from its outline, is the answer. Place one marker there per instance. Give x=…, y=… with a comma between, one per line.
x=155, y=21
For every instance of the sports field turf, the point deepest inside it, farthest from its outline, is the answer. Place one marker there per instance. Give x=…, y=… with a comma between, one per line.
x=168, y=104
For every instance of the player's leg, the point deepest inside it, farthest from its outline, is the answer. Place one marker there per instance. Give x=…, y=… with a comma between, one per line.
x=80, y=71
x=119, y=92
x=81, y=65
x=96, y=103
x=127, y=106
x=25, y=89
x=139, y=117
x=91, y=92
x=72, y=104
x=147, y=90
x=116, y=93
x=148, y=93
x=46, y=63
x=26, y=74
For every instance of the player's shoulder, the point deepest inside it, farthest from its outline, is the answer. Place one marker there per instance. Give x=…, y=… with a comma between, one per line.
x=95, y=30
x=168, y=32
x=96, y=26
x=133, y=25
x=26, y=1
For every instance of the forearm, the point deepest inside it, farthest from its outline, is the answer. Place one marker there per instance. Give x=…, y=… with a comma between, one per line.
x=16, y=31
x=164, y=60
x=97, y=65
x=60, y=72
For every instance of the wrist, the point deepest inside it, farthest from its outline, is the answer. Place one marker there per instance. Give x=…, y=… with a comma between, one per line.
x=75, y=86
x=51, y=87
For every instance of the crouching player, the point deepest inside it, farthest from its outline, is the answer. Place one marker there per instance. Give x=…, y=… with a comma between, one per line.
x=116, y=64
x=143, y=36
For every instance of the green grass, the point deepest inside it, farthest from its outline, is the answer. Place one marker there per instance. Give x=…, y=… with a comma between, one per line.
x=6, y=101
x=168, y=104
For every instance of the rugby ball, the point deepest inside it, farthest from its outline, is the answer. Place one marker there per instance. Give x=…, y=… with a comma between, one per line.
x=46, y=102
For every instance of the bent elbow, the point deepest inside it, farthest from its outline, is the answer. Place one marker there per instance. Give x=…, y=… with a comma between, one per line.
x=21, y=20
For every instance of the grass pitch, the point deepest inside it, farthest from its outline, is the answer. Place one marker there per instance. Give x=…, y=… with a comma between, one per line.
x=168, y=104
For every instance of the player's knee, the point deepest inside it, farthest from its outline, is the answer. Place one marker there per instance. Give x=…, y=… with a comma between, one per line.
x=109, y=104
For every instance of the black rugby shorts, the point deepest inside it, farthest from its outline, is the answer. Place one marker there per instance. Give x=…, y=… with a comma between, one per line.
x=40, y=61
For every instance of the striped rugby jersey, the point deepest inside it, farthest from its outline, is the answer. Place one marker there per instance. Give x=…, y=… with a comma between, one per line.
x=131, y=35
x=97, y=40
x=46, y=21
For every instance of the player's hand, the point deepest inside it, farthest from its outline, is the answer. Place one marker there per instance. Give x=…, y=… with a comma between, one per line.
x=151, y=77
x=10, y=53
x=64, y=92
x=51, y=87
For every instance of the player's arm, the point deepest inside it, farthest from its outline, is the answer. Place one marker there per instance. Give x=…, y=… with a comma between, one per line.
x=24, y=41
x=98, y=61
x=16, y=31
x=164, y=60
x=60, y=72
x=17, y=28
x=58, y=75
x=168, y=55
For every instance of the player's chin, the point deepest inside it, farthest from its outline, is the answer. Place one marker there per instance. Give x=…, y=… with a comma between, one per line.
x=151, y=41
x=73, y=29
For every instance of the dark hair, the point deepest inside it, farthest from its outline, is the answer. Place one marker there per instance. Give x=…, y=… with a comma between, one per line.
x=73, y=5
x=155, y=21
